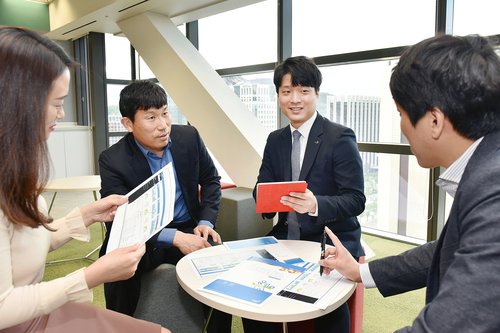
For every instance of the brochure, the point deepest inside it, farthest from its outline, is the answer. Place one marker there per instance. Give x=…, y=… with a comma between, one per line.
x=311, y=287
x=149, y=209
x=251, y=242
x=240, y=250
x=254, y=281
x=218, y=263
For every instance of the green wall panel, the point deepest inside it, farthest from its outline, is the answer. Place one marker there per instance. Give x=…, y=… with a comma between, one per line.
x=25, y=13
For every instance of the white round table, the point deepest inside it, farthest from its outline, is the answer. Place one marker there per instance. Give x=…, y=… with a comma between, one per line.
x=90, y=183
x=73, y=184
x=277, y=309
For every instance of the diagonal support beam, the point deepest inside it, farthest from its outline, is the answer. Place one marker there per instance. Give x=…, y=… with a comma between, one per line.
x=229, y=129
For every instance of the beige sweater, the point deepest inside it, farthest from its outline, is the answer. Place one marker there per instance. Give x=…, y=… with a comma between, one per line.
x=23, y=252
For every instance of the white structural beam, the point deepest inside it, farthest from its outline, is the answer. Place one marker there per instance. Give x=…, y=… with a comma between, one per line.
x=71, y=19
x=231, y=132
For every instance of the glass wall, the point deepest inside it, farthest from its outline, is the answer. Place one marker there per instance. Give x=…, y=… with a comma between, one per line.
x=243, y=36
x=119, y=64
x=357, y=95
x=118, y=74
x=356, y=44
x=115, y=127
x=258, y=93
x=350, y=26
x=396, y=190
x=476, y=17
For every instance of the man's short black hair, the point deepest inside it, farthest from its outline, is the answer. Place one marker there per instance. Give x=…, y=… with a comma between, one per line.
x=141, y=95
x=458, y=75
x=303, y=70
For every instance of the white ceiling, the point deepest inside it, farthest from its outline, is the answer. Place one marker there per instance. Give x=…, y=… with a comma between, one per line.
x=70, y=19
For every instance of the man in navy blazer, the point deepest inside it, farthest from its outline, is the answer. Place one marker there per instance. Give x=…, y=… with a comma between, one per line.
x=333, y=171
x=152, y=143
x=447, y=91
x=331, y=165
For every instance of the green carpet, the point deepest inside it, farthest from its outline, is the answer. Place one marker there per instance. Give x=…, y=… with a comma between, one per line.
x=388, y=314
x=76, y=249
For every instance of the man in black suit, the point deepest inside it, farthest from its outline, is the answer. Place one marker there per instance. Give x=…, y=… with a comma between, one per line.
x=447, y=92
x=329, y=162
x=152, y=143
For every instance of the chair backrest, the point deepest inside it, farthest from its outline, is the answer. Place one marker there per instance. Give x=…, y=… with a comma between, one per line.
x=355, y=303
x=237, y=218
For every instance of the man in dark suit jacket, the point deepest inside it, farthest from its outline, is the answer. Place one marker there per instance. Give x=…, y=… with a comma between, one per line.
x=330, y=164
x=333, y=171
x=447, y=91
x=153, y=142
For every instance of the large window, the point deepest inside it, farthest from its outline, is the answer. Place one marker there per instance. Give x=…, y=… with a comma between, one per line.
x=476, y=17
x=240, y=37
x=357, y=95
x=119, y=64
x=258, y=93
x=323, y=27
x=118, y=74
x=356, y=44
x=396, y=190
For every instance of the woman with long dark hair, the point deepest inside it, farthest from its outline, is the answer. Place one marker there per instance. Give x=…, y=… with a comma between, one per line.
x=34, y=80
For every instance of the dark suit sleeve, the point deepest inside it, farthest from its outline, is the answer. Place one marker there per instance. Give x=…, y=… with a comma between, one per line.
x=347, y=169
x=112, y=181
x=266, y=174
x=209, y=181
x=404, y=272
x=462, y=285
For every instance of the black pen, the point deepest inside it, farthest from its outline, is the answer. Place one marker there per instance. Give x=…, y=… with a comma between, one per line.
x=323, y=248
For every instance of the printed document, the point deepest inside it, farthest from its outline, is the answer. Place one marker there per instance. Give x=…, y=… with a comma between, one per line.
x=255, y=280
x=311, y=287
x=240, y=250
x=149, y=209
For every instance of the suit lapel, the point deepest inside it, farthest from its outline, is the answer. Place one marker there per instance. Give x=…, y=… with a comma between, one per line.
x=489, y=144
x=285, y=151
x=433, y=280
x=313, y=145
x=177, y=151
x=138, y=161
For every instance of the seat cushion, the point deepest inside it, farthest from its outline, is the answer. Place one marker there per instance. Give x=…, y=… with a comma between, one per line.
x=163, y=301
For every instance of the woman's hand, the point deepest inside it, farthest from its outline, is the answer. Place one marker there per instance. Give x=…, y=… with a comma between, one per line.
x=102, y=210
x=117, y=265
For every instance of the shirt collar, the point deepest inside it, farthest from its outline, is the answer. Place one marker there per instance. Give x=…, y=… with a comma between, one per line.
x=450, y=179
x=146, y=152
x=305, y=128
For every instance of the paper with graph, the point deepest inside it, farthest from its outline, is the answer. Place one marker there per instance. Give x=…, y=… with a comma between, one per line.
x=149, y=209
x=256, y=280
